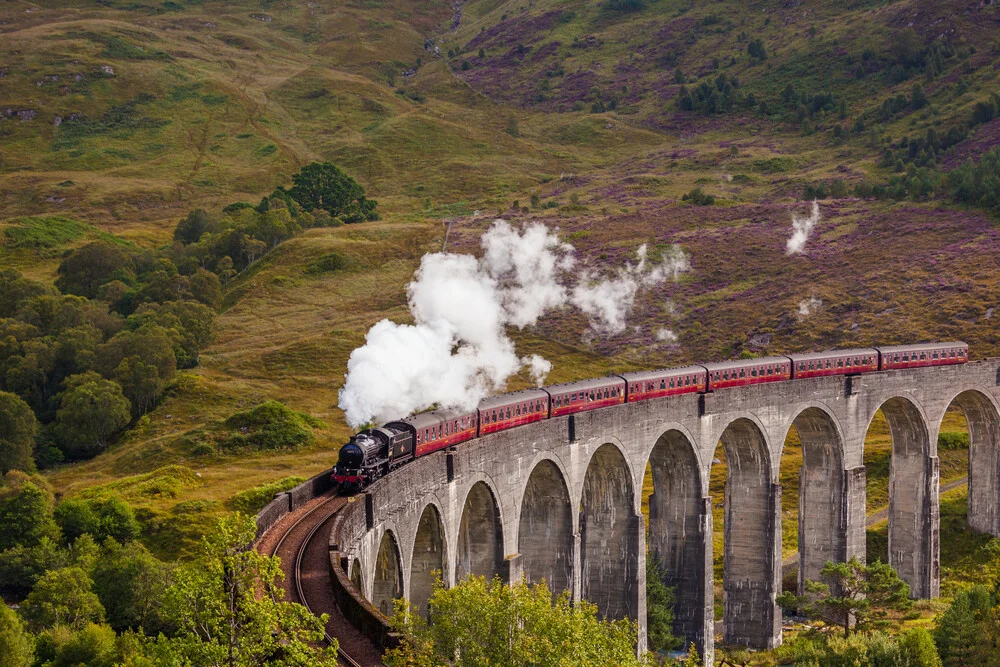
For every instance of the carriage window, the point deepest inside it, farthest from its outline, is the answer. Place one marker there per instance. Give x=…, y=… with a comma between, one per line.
x=923, y=355
x=848, y=364
x=753, y=372
x=743, y=373
x=934, y=355
x=508, y=413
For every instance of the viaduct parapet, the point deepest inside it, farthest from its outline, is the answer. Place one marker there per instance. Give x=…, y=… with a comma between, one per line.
x=561, y=499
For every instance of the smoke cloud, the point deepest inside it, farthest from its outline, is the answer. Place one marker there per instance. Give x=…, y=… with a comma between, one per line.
x=801, y=229
x=457, y=351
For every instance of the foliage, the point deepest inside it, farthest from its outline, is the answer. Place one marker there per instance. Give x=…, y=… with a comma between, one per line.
x=964, y=633
x=978, y=183
x=659, y=608
x=104, y=518
x=480, y=622
x=949, y=441
x=228, y=610
x=269, y=426
x=62, y=597
x=18, y=427
x=89, y=267
x=708, y=98
x=323, y=185
x=16, y=645
x=130, y=583
x=191, y=228
x=854, y=592
x=698, y=198
x=25, y=511
x=756, y=50
x=250, y=501
x=92, y=412
x=914, y=648
x=328, y=263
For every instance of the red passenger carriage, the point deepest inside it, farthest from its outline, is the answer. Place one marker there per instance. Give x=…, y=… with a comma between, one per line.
x=664, y=382
x=742, y=372
x=834, y=362
x=439, y=429
x=586, y=395
x=510, y=410
x=929, y=354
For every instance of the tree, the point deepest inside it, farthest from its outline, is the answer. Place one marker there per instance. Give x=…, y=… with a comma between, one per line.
x=659, y=608
x=854, y=592
x=92, y=265
x=75, y=517
x=14, y=288
x=322, y=185
x=480, y=622
x=25, y=511
x=92, y=412
x=191, y=227
x=115, y=520
x=93, y=645
x=62, y=597
x=18, y=428
x=958, y=634
x=228, y=609
x=756, y=50
x=131, y=583
x=16, y=646
x=916, y=648
x=206, y=287
x=140, y=383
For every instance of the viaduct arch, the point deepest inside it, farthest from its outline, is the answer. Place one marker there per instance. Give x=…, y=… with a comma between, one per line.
x=561, y=499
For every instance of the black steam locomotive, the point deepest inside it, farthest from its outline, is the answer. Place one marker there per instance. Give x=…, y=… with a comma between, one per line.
x=372, y=453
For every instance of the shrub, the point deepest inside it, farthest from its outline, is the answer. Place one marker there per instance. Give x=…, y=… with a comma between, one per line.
x=328, y=263
x=952, y=441
x=698, y=198
x=252, y=500
x=269, y=426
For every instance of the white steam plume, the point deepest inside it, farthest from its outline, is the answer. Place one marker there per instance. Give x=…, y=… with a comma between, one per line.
x=457, y=351
x=808, y=306
x=801, y=229
x=666, y=336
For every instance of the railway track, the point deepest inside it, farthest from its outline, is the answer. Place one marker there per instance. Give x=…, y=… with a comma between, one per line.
x=305, y=561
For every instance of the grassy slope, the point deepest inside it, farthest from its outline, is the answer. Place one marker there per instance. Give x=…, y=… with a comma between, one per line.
x=240, y=102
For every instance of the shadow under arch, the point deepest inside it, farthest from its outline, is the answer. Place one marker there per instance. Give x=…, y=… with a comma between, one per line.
x=480, y=535
x=356, y=579
x=821, y=494
x=983, y=422
x=609, y=531
x=751, y=568
x=676, y=537
x=429, y=558
x=545, y=530
x=387, y=582
x=913, y=498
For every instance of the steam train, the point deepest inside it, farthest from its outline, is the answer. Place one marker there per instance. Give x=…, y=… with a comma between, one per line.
x=374, y=452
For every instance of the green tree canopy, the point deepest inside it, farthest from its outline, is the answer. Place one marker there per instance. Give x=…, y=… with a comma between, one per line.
x=864, y=593
x=14, y=288
x=323, y=185
x=131, y=583
x=92, y=412
x=480, y=622
x=229, y=611
x=92, y=265
x=18, y=427
x=17, y=648
x=964, y=632
x=25, y=511
x=193, y=225
x=62, y=597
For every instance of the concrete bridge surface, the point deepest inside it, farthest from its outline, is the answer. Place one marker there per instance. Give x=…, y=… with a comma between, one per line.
x=560, y=500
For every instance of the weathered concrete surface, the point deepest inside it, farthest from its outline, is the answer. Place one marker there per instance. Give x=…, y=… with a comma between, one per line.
x=496, y=496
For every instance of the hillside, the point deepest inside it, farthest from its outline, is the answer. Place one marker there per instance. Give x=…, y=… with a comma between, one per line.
x=122, y=117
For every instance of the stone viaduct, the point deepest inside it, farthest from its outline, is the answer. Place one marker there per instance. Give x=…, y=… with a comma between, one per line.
x=560, y=499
